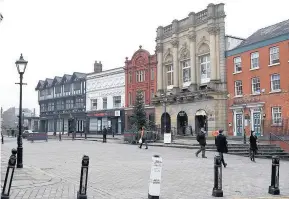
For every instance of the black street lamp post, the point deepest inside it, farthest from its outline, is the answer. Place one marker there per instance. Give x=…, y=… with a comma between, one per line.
x=21, y=66
x=165, y=99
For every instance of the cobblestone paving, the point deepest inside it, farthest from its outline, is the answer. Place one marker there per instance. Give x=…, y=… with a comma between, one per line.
x=119, y=171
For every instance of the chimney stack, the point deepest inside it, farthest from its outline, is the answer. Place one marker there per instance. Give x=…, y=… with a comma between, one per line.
x=97, y=67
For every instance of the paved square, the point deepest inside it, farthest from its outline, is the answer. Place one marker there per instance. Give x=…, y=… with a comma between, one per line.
x=119, y=171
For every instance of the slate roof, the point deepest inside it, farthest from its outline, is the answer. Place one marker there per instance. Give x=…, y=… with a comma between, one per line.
x=79, y=75
x=49, y=82
x=39, y=85
x=56, y=80
x=267, y=33
x=68, y=77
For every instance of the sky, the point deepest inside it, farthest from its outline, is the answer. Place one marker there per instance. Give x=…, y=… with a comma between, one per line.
x=60, y=37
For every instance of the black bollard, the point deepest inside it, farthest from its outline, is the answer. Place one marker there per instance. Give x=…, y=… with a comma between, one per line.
x=85, y=135
x=217, y=190
x=2, y=139
x=81, y=194
x=274, y=188
x=9, y=175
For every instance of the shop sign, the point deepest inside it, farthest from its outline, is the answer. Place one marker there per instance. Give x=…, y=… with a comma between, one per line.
x=97, y=114
x=246, y=100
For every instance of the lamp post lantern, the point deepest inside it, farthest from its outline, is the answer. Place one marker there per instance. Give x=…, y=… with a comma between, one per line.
x=21, y=67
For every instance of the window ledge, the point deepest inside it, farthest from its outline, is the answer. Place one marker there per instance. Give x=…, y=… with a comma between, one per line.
x=170, y=87
x=255, y=68
x=276, y=64
x=237, y=72
x=254, y=94
x=276, y=91
x=276, y=125
x=238, y=96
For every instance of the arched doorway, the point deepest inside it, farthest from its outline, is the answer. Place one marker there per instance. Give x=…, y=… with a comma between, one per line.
x=166, y=123
x=182, y=122
x=201, y=121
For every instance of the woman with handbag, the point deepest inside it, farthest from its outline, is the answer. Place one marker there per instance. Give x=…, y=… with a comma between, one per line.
x=143, y=138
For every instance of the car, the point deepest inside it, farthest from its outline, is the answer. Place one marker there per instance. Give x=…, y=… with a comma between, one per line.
x=26, y=133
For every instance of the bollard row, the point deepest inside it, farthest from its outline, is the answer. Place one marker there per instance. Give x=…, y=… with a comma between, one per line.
x=155, y=177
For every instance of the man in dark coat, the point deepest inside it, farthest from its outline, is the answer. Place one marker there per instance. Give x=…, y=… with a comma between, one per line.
x=222, y=146
x=253, y=145
x=201, y=138
x=104, y=133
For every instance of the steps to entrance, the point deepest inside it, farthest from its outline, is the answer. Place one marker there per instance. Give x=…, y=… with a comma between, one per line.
x=264, y=150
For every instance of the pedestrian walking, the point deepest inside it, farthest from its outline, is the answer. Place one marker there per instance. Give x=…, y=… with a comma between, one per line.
x=143, y=138
x=2, y=138
x=201, y=138
x=59, y=136
x=253, y=146
x=222, y=146
x=104, y=133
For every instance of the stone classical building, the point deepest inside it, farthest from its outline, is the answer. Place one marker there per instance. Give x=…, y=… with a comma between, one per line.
x=191, y=71
x=105, y=98
x=140, y=74
x=62, y=103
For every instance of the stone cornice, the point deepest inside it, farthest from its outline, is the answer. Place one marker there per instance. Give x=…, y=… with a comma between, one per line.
x=175, y=42
x=213, y=29
x=192, y=36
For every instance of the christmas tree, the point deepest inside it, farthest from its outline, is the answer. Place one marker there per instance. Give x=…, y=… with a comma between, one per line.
x=138, y=118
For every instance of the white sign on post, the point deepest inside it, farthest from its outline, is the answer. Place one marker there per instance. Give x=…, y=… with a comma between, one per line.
x=167, y=138
x=155, y=177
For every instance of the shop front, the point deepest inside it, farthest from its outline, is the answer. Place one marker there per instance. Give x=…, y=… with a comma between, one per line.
x=113, y=120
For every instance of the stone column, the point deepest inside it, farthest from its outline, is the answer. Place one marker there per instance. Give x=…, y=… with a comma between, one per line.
x=192, y=38
x=175, y=44
x=159, y=51
x=217, y=56
x=212, y=31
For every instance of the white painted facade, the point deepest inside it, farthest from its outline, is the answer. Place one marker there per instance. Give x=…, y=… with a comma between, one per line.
x=107, y=85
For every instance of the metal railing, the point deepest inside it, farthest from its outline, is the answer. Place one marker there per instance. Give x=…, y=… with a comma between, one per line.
x=280, y=128
x=278, y=138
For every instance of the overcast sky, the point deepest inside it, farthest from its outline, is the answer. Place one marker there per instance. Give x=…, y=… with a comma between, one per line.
x=66, y=36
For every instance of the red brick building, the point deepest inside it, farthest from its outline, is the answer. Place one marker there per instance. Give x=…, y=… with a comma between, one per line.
x=258, y=82
x=140, y=74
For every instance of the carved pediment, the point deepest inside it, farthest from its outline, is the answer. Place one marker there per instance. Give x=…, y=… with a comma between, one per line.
x=204, y=48
x=168, y=57
x=184, y=52
x=140, y=61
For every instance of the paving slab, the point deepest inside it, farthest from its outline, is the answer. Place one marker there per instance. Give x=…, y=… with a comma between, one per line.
x=119, y=171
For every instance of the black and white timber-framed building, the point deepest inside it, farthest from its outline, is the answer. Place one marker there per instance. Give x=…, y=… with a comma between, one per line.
x=62, y=103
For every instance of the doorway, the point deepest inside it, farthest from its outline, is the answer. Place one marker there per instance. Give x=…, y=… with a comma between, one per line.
x=256, y=123
x=166, y=123
x=182, y=122
x=201, y=121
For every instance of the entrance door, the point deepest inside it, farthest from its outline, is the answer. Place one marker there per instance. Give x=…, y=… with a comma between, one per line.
x=239, y=124
x=256, y=126
x=165, y=123
x=182, y=122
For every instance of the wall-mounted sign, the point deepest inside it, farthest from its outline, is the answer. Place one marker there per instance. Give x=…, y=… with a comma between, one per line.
x=97, y=114
x=246, y=100
x=117, y=113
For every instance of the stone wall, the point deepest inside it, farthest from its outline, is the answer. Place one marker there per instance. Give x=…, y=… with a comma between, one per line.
x=215, y=109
